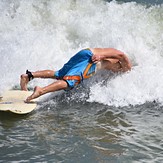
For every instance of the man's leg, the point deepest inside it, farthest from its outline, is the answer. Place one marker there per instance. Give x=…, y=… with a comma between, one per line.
x=56, y=86
x=38, y=74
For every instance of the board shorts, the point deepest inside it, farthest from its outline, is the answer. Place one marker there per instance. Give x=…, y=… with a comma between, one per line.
x=78, y=68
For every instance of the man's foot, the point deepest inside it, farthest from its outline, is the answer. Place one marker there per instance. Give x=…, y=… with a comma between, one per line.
x=24, y=81
x=37, y=93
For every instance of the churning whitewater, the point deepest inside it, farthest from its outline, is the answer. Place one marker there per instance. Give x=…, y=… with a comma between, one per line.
x=44, y=35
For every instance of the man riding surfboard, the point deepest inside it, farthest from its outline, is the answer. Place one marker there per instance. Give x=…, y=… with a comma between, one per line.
x=80, y=67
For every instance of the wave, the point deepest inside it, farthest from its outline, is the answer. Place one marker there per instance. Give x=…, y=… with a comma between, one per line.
x=45, y=34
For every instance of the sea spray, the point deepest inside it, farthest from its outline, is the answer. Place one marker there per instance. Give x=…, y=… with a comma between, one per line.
x=45, y=34
x=140, y=33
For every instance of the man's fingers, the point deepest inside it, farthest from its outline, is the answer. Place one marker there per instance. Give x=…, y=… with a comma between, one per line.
x=96, y=58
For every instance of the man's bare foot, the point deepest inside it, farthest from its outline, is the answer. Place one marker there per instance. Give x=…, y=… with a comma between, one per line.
x=24, y=81
x=37, y=93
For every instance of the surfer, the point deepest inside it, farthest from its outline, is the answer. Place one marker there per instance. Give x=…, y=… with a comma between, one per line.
x=81, y=66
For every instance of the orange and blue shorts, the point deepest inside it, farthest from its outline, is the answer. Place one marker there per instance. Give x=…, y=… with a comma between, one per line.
x=78, y=68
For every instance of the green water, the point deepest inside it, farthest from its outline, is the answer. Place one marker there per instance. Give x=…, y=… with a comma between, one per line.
x=83, y=132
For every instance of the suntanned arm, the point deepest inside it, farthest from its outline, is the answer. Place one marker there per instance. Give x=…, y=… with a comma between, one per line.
x=106, y=53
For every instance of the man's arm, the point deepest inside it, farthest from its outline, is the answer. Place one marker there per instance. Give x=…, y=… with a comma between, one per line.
x=106, y=53
x=124, y=62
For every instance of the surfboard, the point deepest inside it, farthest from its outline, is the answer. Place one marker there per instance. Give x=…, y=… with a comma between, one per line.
x=13, y=101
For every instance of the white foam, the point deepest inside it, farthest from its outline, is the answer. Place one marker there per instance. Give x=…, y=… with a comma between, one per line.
x=45, y=34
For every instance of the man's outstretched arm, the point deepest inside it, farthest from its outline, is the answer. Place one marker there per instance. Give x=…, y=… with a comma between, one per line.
x=110, y=53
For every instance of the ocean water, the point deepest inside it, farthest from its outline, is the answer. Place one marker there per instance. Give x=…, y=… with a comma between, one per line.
x=110, y=117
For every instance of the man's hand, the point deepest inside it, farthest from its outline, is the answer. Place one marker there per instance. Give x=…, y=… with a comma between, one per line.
x=96, y=58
